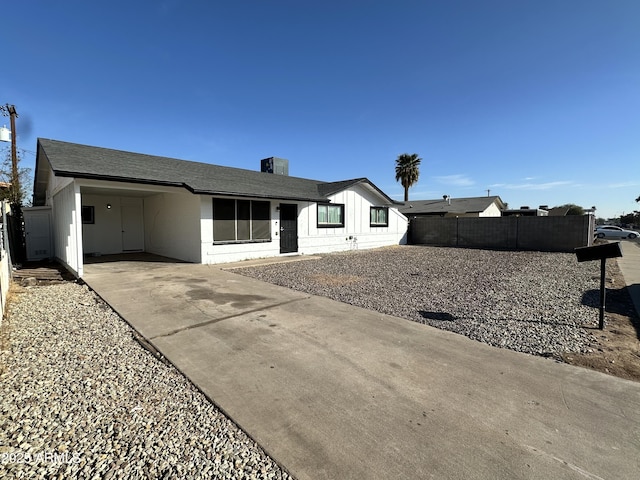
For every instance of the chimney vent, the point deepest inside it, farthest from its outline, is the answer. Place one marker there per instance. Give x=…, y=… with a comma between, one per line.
x=524, y=207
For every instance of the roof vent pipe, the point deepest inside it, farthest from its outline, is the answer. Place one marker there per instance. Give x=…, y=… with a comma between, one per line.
x=447, y=198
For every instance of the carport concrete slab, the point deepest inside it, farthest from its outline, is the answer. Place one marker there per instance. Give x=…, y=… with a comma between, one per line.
x=165, y=298
x=334, y=391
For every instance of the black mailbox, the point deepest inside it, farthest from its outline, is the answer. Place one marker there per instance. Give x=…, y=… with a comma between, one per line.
x=598, y=252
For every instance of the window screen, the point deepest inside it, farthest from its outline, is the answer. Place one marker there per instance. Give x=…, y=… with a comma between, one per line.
x=224, y=219
x=379, y=216
x=261, y=221
x=241, y=220
x=330, y=215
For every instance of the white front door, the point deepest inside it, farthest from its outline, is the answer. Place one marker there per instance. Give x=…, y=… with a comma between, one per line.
x=132, y=228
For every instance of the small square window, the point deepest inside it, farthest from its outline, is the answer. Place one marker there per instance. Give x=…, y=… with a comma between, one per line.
x=330, y=215
x=88, y=214
x=379, y=216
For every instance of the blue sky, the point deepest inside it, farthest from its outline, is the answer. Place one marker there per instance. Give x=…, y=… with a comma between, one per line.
x=536, y=101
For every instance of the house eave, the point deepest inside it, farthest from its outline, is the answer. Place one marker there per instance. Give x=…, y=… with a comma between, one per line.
x=110, y=178
x=256, y=195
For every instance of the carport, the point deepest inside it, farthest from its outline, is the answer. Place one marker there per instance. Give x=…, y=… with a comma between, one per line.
x=120, y=218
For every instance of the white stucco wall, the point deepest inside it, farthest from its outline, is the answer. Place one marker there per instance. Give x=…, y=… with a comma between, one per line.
x=491, y=211
x=172, y=225
x=357, y=232
x=103, y=237
x=67, y=240
x=223, y=253
x=55, y=185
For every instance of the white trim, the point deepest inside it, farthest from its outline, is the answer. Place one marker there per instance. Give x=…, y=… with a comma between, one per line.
x=78, y=228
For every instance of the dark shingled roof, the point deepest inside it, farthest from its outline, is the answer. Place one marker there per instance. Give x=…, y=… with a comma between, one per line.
x=454, y=206
x=558, y=211
x=82, y=161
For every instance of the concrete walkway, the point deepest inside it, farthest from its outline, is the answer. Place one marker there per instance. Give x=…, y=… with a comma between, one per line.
x=630, y=267
x=332, y=391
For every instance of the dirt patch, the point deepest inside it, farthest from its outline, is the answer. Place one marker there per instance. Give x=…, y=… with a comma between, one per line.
x=618, y=346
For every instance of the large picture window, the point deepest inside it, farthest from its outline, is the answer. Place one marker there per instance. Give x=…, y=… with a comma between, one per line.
x=241, y=220
x=330, y=215
x=379, y=216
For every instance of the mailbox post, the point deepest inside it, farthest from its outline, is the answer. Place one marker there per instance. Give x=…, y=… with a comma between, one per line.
x=600, y=252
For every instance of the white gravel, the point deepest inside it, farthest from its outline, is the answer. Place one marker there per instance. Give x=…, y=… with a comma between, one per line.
x=80, y=398
x=531, y=302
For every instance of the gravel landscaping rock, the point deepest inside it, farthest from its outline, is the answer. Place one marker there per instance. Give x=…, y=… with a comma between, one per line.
x=532, y=302
x=80, y=398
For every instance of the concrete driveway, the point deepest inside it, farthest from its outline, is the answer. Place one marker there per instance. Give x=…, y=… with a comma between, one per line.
x=332, y=391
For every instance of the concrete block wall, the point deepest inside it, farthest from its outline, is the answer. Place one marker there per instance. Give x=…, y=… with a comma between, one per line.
x=433, y=231
x=554, y=234
x=499, y=233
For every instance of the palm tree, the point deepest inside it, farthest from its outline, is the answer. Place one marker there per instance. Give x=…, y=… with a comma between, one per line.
x=407, y=171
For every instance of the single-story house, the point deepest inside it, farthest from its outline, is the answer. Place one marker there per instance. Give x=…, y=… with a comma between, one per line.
x=105, y=201
x=526, y=211
x=557, y=211
x=455, y=207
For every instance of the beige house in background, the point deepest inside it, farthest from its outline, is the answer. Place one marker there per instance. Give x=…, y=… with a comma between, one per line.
x=454, y=207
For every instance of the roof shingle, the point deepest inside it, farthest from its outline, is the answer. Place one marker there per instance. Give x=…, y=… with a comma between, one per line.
x=451, y=206
x=82, y=161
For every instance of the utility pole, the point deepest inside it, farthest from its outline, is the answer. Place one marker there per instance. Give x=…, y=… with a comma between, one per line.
x=15, y=230
x=10, y=111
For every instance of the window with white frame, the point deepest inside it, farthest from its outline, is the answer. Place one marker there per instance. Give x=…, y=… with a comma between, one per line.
x=330, y=215
x=241, y=220
x=379, y=216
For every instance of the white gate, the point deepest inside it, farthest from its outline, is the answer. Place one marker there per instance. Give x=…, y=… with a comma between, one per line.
x=37, y=226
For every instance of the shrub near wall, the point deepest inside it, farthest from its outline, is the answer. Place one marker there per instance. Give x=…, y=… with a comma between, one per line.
x=554, y=234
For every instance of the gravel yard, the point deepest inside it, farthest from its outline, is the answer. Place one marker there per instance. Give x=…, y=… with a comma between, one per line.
x=80, y=398
x=531, y=302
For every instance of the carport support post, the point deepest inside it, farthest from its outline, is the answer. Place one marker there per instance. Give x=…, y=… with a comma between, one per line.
x=603, y=292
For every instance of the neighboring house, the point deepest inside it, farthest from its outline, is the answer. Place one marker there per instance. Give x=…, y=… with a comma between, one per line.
x=526, y=211
x=455, y=207
x=107, y=201
x=557, y=211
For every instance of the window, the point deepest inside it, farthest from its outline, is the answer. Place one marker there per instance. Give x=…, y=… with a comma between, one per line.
x=379, y=216
x=241, y=220
x=330, y=215
x=87, y=214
